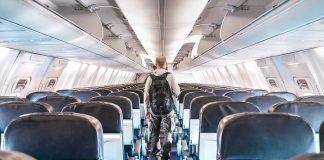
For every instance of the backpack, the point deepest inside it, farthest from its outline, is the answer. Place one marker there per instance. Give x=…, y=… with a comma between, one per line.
x=161, y=100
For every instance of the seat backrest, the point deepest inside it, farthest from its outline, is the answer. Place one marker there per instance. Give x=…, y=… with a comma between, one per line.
x=263, y=136
x=139, y=93
x=12, y=155
x=58, y=102
x=210, y=90
x=12, y=98
x=258, y=92
x=184, y=92
x=265, y=102
x=312, y=112
x=130, y=95
x=103, y=92
x=213, y=112
x=56, y=136
x=66, y=92
x=220, y=92
x=124, y=104
x=12, y=110
x=317, y=98
x=84, y=95
x=286, y=95
x=34, y=96
x=239, y=95
x=309, y=156
x=198, y=102
x=191, y=95
x=109, y=115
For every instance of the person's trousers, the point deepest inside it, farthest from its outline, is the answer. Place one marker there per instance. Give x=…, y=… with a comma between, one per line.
x=166, y=124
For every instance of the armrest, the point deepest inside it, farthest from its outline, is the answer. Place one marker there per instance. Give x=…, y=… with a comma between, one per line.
x=137, y=148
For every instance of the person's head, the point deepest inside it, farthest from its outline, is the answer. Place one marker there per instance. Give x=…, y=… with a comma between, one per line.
x=160, y=62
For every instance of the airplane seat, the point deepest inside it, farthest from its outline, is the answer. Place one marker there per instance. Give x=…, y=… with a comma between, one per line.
x=66, y=92
x=103, y=92
x=4, y=99
x=12, y=110
x=263, y=136
x=126, y=107
x=210, y=116
x=180, y=101
x=258, y=92
x=12, y=155
x=84, y=95
x=309, y=156
x=59, y=101
x=221, y=92
x=135, y=105
x=210, y=90
x=141, y=96
x=34, y=96
x=312, y=112
x=265, y=102
x=111, y=118
x=286, y=95
x=239, y=95
x=56, y=136
x=186, y=105
x=315, y=98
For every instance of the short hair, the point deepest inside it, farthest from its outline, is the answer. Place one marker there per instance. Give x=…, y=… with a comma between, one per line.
x=160, y=61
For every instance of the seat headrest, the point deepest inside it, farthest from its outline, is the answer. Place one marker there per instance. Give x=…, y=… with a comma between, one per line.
x=190, y=96
x=58, y=102
x=124, y=104
x=84, y=95
x=56, y=136
x=265, y=102
x=66, y=92
x=12, y=155
x=317, y=98
x=263, y=136
x=139, y=93
x=103, y=92
x=221, y=92
x=258, y=92
x=213, y=112
x=309, y=156
x=184, y=92
x=312, y=112
x=130, y=95
x=11, y=98
x=286, y=95
x=109, y=114
x=12, y=110
x=239, y=95
x=198, y=102
x=34, y=96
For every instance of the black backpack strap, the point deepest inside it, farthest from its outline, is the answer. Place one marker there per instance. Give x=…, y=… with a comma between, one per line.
x=164, y=75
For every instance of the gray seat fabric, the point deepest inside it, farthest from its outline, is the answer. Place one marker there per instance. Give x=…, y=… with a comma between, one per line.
x=58, y=102
x=221, y=92
x=184, y=92
x=239, y=95
x=190, y=96
x=84, y=95
x=139, y=93
x=109, y=115
x=12, y=155
x=12, y=110
x=212, y=113
x=317, y=98
x=66, y=92
x=12, y=98
x=198, y=102
x=130, y=95
x=103, y=92
x=310, y=156
x=34, y=96
x=265, y=102
x=312, y=112
x=258, y=92
x=263, y=136
x=286, y=95
x=321, y=137
x=56, y=136
x=124, y=104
